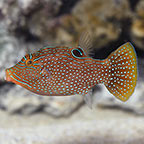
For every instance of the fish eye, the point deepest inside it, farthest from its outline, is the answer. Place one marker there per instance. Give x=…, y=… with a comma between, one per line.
x=29, y=62
x=77, y=52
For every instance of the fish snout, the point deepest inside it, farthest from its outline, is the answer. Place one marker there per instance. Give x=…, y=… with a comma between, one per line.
x=7, y=76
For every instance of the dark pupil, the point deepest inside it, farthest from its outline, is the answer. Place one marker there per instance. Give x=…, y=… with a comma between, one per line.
x=29, y=62
x=77, y=53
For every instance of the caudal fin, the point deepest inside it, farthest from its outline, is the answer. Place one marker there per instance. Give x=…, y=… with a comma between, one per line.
x=122, y=72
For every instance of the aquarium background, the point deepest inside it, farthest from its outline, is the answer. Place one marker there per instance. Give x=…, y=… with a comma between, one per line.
x=28, y=25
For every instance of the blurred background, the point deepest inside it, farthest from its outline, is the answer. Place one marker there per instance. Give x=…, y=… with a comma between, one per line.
x=28, y=25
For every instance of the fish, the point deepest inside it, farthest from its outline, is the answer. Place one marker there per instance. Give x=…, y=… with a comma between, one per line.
x=65, y=71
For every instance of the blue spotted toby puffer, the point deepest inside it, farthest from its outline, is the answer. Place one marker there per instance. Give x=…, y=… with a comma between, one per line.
x=65, y=71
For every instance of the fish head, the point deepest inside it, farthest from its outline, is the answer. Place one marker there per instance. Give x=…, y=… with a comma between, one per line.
x=26, y=71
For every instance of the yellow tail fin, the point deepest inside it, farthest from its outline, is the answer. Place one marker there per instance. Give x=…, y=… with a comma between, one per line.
x=122, y=68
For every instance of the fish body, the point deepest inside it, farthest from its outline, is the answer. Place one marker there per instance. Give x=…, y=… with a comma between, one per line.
x=64, y=71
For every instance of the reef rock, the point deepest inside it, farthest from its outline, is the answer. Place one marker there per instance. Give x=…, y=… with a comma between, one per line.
x=137, y=28
x=17, y=100
x=135, y=104
x=102, y=19
x=10, y=51
x=30, y=19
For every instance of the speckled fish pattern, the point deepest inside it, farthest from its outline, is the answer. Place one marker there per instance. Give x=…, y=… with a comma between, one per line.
x=64, y=71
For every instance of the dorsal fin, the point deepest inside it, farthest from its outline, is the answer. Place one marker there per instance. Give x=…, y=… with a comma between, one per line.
x=86, y=42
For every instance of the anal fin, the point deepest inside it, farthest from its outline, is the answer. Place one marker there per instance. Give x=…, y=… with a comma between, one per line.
x=88, y=98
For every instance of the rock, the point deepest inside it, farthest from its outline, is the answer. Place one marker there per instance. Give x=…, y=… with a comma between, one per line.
x=64, y=106
x=102, y=19
x=10, y=52
x=31, y=19
x=135, y=104
x=97, y=126
x=137, y=29
x=17, y=100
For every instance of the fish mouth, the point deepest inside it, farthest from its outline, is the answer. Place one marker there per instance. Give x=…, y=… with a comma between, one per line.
x=12, y=77
x=8, y=73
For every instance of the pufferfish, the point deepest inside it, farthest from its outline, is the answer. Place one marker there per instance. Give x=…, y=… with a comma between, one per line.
x=65, y=71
